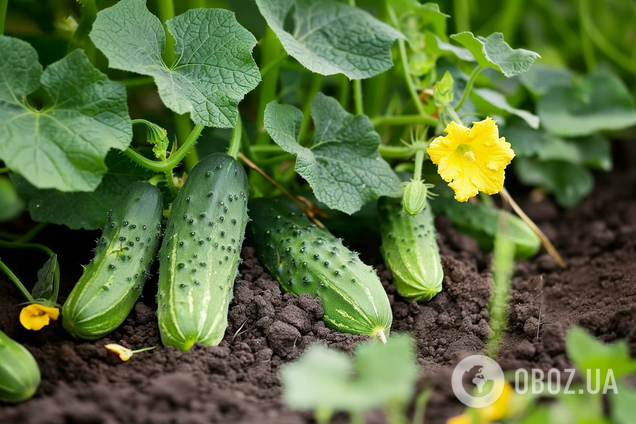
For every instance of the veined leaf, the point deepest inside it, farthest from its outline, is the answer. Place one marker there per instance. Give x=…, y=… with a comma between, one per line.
x=499, y=101
x=82, y=210
x=63, y=144
x=417, y=21
x=599, y=102
x=45, y=286
x=438, y=47
x=494, y=52
x=214, y=69
x=331, y=37
x=341, y=164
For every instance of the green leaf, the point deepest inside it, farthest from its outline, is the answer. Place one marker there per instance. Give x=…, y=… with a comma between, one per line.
x=326, y=379
x=568, y=182
x=332, y=38
x=623, y=404
x=10, y=204
x=438, y=48
x=341, y=164
x=82, y=210
x=499, y=101
x=587, y=353
x=214, y=68
x=45, y=286
x=62, y=145
x=494, y=52
x=599, y=102
x=416, y=21
x=540, y=79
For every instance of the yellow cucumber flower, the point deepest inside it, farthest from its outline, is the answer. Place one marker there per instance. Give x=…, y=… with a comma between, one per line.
x=472, y=159
x=35, y=316
x=500, y=409
x=123, y=353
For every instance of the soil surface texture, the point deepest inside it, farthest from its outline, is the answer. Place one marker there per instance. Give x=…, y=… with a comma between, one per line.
x=237, y=381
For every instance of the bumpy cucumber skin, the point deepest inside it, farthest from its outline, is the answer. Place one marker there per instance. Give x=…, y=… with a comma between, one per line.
x=19, y=373
x=200, y=253
x=410, y=250
x=307, y=259
x=113, y=280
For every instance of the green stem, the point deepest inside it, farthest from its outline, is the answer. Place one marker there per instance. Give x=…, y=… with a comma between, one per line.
x=469, y=86
x=197, y=4
x=420, y=405
x=586, y=42
x=405, y=63
x=314, y=89
x=247, y=147
x=183, y=128
x=395, y=152
x=235, y=141
x=32, y=233
x=137, y=82
x=166, y=12
x=601, y=42
x=453, y=115
x=274, y=63
x=272, y=58
x=508, y=19
x=357, y=97
x=4, y=170
x=269, y=148
x=462, y=15
x=173, y=160
x=419, y=161
x=404, y=120
x=9, y=236
x=3, y=14
x=170, y=183
x=16, y=281
x=80, y=37
x=145, y=349
x=344, y=91
x=16, y=245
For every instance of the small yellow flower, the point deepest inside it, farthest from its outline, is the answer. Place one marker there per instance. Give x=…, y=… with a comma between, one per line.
x=35, y=316
x=472, y=159
x=123, y=353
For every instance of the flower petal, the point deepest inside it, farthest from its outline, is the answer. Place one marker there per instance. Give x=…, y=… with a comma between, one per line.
x=35, y=316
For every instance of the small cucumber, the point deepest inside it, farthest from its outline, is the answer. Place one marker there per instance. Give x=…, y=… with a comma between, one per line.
x=113, y=280
x=410, y=250
x=19, y=373
x=307, y=259
x=201, y=251
x=480, y=222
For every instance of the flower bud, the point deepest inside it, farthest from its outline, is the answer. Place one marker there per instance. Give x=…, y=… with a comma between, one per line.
x=444, y=92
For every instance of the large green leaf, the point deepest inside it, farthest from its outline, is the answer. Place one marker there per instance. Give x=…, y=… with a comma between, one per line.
x=416, y=21
x=63, y=144
x=82, y=210
x=329, y=380
x=342, y=164
x=599, y=102
x=10, y=204
x=570, y=183
x=494, y=52
x=540, y=79
x=214, y=69
x=330, y=37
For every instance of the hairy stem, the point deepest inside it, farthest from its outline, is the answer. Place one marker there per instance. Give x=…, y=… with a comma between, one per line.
x=235, y=141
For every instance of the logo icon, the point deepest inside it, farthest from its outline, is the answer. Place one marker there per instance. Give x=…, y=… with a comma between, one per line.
x=481, y=373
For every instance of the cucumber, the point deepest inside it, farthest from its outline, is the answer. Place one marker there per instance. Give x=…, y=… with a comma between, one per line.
x=480, y=222
x=200, y=253
x=307, y=259
x=113, y=280
x=19, y=373
x=410, y=250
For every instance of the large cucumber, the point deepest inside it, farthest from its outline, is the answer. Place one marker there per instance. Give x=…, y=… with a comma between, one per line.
x=307, y=259
x=410, y=250
x=201, y=251
x=113, y=280
x=19, y=373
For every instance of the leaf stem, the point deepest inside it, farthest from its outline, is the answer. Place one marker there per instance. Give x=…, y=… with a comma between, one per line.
x=395, y=152
x=3, y=14
x=586, y=42
x=183, y=128
x=170, y=183
x=469, y=86
x=16, y=281
x=166, y=12
x=89, y=14
x=314, y=89
x=18, y=245
x=235, y=141
x=357, y=97
x=272, y=58
x=344, y=91
x=404, y=120
x=461, y=10
x=274, y=63
x=32, y=233
x=453, y=115
x=173, y=160
x=269, y=148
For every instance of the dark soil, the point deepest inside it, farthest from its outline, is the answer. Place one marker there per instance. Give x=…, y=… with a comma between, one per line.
x=237, y=382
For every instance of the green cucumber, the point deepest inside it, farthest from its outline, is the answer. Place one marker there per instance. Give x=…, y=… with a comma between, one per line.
x=410, y=250
x=200, y=253
x=480, y=222
x=113, y=280
x=19, y=373
x=307, y=259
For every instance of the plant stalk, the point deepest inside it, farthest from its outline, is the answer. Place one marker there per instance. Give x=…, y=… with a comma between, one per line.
x=89, y=14
x=469, y=86
x=166, y=12
x=4, y=4
x=404, y=120
x=357, y=97
x=16, y=281
x=235, y=141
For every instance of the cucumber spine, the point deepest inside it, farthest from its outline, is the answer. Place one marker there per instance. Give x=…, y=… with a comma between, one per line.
x=307, y=259
x=200, y=253
x=114, y=279
x=410, y=249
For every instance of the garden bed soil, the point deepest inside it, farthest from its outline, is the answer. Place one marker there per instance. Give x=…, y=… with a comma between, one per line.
x=237, y=381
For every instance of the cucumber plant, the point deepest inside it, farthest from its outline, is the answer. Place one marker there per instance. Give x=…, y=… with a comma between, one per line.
x=305, y=258
x=19, y=373
x=114, y=279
